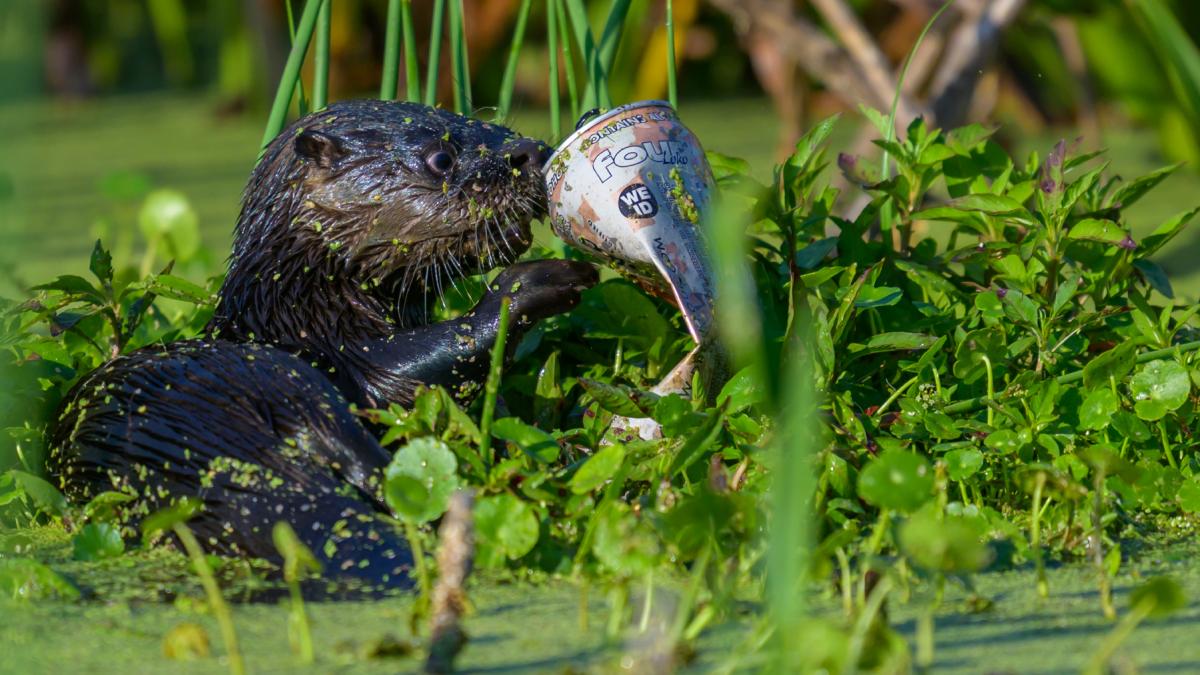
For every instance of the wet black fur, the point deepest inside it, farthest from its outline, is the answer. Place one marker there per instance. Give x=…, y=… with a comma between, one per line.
x=348, y=232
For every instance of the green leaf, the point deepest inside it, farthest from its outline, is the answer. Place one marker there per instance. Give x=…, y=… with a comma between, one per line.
x=73, y=285
x=1095, y=229
x=25, y=579
x=699, y=441
x=431, y=464
x=897, y=480
x=167, y=215
x=97, y=541
x=870, y=297
x=963, y=463
x=895, y=341
x=620, y=400
x=1156, y=276
x=622, y=542
x=101, y=264
x=297, y=558
x=948, y=543
x=1129, y=195
x=740, y=392
x=182, y=510
x=1189, y=495
x=598, y=468
x=1158, y=388
x=178, y=288
x=44, y=495
x=976, y=349
x=811, y=256
x=996, y=205
x=1097, y=410
x=1114, y=363
x=941, y=426
x=1159, y=597
x=534, y=442
x=505, y=528
x=1166, y=232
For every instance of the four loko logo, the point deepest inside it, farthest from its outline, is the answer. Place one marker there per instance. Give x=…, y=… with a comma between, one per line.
x=665, y=152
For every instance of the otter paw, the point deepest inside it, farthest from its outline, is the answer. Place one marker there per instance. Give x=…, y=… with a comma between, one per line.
x=543, y=288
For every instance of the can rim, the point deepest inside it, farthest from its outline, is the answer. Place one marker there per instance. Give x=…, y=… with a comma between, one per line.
x=614, y=112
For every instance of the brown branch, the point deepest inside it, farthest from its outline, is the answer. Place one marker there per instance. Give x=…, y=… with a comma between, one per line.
x=970, y=50
x=865, y=53
x=822, y=58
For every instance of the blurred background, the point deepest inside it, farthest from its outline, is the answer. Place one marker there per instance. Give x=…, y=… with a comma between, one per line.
x=104, y=101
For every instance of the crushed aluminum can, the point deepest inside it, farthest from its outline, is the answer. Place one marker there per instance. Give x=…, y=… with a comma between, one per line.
x=630, y=187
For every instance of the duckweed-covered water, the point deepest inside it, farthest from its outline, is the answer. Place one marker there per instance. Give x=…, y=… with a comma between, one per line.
x=132, y=602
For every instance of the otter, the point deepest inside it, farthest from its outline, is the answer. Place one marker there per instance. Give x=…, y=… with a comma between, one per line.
x=353, y=222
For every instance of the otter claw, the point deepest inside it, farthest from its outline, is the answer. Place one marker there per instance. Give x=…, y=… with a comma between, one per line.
x=544, y=288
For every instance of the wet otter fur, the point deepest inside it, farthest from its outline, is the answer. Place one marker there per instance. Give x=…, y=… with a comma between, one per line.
x=353, y=222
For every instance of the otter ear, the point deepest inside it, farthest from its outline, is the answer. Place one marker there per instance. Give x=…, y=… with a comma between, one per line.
x=318, y=147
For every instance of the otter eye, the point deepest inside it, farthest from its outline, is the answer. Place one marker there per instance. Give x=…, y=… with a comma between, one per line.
x=439, y=162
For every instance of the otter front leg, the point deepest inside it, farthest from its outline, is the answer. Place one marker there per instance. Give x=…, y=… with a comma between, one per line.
x=455, y=354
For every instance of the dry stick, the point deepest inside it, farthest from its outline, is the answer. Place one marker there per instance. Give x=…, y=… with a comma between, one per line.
x=864, y=52
x=970, y=49
x=1066, y=33
x=456, y=553
x=822, y=58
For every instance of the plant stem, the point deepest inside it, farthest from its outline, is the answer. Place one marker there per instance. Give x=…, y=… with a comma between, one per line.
x=648, y=605
x=492, y=389
x=300, y=617
x=895, y=395
x=1098, y=547
x=672, y=93
x=460, y=70
x=885, y=223
x=862, y=626
x=1035, y=540
x=1121, y=632
x=991, y=389
x=391, y=53
x=435, y=52
x=568, y=60
x=424, y=580
x=321, y=66
x=215, y=600
x=509, y=82
x=291, y=72
x=302, y=104
x=412, y=79
x=973, y=404
x=552, y=47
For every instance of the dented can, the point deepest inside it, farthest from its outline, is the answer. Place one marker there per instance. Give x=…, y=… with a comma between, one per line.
x=629, y=187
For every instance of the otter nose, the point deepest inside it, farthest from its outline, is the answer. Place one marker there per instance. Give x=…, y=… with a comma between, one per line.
x=527, y=153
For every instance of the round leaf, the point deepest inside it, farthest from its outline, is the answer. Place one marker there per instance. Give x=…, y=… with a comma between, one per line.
x=598, y=468
x=962, y=463
x=505, y=527
x=97, y=541
x=1158, y=388
x=1162, y=596
x=432, y=465
x=1098, y=408
x=897, y=480
x=946, y=544
x=168, y=214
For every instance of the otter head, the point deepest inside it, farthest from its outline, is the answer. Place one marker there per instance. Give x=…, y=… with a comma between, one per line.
x=359, y=214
